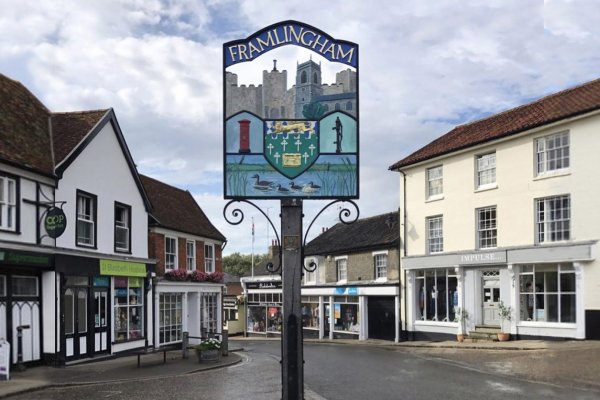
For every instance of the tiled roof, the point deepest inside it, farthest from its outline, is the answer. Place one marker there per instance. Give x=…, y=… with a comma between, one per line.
x=381, y=231
x=565, y=104
x=24, y=134
x=176, y=209
x=69, y=129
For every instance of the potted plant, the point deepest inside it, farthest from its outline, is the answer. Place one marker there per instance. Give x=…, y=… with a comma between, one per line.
x=208, y=349
x=505, y=313
x=461, y=315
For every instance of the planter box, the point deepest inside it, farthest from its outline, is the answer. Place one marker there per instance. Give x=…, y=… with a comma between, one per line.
x=208, y=355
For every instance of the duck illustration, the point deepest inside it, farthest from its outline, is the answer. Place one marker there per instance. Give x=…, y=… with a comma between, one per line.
x=310, y=188
x=281, y=189
x=261, y=185
x=294, y=187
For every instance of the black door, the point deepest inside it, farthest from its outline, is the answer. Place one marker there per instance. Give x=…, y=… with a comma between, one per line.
x=76, y=322
x=382, y=318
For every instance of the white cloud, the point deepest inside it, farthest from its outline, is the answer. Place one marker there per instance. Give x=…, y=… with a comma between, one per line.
x=425, y=67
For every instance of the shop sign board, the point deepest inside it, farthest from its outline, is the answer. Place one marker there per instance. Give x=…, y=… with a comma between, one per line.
x=13, y=257
x=122, y=268
x=264, y=285
x=4, y=360
x=55, y=222
x=291, y=120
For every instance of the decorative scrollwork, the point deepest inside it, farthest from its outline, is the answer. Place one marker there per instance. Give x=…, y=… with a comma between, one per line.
x=344, y=216
x=311, y=267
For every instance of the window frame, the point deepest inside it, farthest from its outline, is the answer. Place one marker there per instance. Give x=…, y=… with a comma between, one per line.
x=5, y=180
x=310, y=276
x=493, y=229
x=429, y=182
x=430, y=238
x=190, y=262
x=480, y=172
x=379, y=268
x=209, y=261
x=127, y=210
x=173, y=254
x=543, y=231
x=94, y=219
x=542, y=159
x=338, y=263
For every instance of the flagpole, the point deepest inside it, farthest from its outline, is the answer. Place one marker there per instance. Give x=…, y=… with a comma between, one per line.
x=252, y=246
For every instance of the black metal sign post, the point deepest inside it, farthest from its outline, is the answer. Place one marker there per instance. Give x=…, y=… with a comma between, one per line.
x=292, y=354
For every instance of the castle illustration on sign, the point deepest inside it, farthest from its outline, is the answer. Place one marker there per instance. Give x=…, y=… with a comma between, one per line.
x=299, y=141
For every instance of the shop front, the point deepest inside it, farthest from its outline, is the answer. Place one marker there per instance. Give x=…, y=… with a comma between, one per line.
x=104, y=306
x=543, y=286
x=263, y=306
x=21, y=301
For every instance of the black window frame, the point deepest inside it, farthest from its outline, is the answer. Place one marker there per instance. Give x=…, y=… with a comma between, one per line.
x=128, y=209
x=94, y=199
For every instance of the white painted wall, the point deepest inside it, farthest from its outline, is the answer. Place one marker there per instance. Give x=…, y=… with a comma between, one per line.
x=101, y=169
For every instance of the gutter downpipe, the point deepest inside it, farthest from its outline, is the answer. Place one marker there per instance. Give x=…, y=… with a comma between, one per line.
x=403, y=252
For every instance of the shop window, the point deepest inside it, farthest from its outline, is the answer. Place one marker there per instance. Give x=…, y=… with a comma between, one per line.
x=209, y=258
x=122, y=228
x=231, y=314
x=274, y=321
x=547, y=293
x=190, y=263
x=435, y=182
x=437, y=295
x=9, y=192
x=209, y=312
x=170, y=253
x=24, y=286
x=86, y=219
x=256, y=319
x=129, y=302
x=170, y=320
x=346, y=317
x=553, y=219
x=310, y=312
x=552, y=153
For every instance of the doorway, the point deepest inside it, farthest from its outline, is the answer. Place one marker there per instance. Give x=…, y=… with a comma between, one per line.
x=382, y=318
x=491, y=297
x=101, y=318
x=76, y=322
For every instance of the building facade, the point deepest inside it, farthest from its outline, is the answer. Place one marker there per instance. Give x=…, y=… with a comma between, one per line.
x=500, y=212
x=74, y=271
x=188, y=290
x=351, y=281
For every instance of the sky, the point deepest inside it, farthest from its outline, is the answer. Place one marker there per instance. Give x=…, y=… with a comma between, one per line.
x=425, y=67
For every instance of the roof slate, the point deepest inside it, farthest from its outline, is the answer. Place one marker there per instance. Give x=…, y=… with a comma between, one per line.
x=69, y=129
x=381, y=231
x=555, y=107
x=176, y=209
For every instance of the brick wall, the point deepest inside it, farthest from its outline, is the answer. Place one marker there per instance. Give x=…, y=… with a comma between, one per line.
x=156, y=250
x=200, y=255
x=361, y=266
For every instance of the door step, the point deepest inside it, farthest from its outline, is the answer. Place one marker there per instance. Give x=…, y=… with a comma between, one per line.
x=483, y=333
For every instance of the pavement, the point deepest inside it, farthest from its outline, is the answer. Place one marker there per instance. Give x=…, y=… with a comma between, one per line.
x=125, y=368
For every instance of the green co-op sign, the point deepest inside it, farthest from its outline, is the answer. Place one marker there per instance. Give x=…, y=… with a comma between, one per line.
x=291, y=131
x=55, y=222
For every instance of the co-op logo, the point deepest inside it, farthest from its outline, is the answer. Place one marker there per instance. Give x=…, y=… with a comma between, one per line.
x=55, y=222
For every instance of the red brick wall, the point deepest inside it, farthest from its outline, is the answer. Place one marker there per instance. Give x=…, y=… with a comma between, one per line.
x=200, y=255
x=218, y=261
x=181, y=253
x=156, y=250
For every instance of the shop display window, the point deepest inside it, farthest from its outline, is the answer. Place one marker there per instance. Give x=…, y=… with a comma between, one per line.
x=310, y=312
x=129, y=302
x=437, y=295
x=209, y=312
x=170, y=321
x=274, y=322
x=346, y=315
x=257, y=316
x=547, y=293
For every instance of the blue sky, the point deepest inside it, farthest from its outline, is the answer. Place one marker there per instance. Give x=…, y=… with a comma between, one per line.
x=424, y=68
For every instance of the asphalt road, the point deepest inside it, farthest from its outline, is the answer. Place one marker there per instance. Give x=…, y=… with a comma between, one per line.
x=335, y=372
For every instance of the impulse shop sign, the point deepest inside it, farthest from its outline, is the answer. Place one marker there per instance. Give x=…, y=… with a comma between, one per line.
x=292, y=131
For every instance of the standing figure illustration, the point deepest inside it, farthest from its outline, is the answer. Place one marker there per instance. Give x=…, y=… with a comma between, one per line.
x=338, y=135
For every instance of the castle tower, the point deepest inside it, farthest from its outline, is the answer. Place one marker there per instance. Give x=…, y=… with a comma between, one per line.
x=308, y=85
x=273, y=93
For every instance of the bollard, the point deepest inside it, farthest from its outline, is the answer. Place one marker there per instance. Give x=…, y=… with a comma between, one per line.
x=225, y=343
x=20, y=366
x=185, y=342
